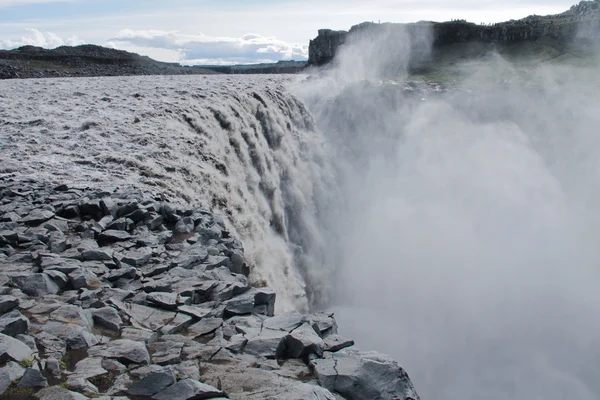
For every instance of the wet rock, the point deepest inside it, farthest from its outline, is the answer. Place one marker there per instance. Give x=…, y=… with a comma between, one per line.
x=325, y=322
x=32, y=378
x=361, y=375
x=188, y=389
x=108, y=318
x=13, y=323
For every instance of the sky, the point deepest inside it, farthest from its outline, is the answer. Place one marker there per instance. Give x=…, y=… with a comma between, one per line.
x=228, y=31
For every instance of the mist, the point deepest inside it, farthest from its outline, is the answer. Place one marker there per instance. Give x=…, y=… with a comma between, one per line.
x=464, y=236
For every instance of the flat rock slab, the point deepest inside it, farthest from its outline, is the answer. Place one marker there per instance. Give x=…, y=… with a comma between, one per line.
x=58, y=393
x=167, y=301
x=303, y=341
x=13, y=323
x=188, y=389
x=148, y=317
x=123, y=350
x=269, y=344
x=364, y=375
x=32, y=378
x=37, y=217
x=153, y=383
x=108, y=318
x=336, y=342
x=285, y=322
x=205, y=326
x=112, y=236
x=13, y=349
x=7, y=303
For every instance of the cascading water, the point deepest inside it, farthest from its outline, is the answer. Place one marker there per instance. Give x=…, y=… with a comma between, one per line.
x=242, y=146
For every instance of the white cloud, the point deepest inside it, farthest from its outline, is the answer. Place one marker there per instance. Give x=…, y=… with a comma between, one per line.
x=203, y=49
x=9, y=3
x=47, y=40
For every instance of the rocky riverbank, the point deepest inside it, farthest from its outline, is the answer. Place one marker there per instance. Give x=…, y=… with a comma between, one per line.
x=123, y=294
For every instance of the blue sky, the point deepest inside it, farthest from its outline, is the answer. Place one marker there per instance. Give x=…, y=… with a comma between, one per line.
x=228, y=31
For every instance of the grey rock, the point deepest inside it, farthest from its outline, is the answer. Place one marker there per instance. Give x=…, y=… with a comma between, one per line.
x=268, y=343
x=51, y=344
x=139, y=335
x=121, y=224
x=71, y=314
x=185, y=225
x=179, y=323
x=83, y=278
x=336, y=342
x=240, y=305
x=236, y=343
x=38, y=285
x=151, y=270
x=138, y=257
x=58, y=277
x=364, y=375
x=13, y=349
x=188, y=389
x=14, y=370
x=265, y=297
x=126, y=272
x=167, y=301
x=217, y=261
x=205, y=326
x=285, y=322
x=37, y=217
x=28, y=340
x=325, y=322
x=7, y=303
x=108, y=318
x=123, y=350
x=167, y=353
x=238, y=263
x=191, y=257
x=13, y=323
x=58, y=393
x=96, y=255
x=152, y=318
x=32, y=378
x=196, y=312
x=303, y=341
x=82, y=385
x=53, y=367
x=5, y=380
x=112, y=236
x=89, y=368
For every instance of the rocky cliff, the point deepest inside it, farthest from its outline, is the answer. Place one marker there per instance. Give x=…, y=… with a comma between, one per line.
x=580, y=22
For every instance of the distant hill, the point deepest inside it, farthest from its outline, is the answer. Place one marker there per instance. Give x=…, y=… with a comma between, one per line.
x=92, y=60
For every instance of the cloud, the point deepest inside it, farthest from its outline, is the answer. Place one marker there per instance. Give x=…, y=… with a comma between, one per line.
x=202, y=49
x=10, y=3
x=46, y=40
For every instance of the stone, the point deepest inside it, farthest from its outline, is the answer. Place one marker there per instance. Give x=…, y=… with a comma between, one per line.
x=123, y=350
x=166, y=353
x=32, y=378
x=265, y=297
x=364, y=375
x=139, y=335
x=147, y=317
x=285, y=322
x=13, y=323
x=82, y=385
x=167, y=301
x=188, y=389
x=83, y=278
x=13, y=349
x=71, y=314
x=303, y=341
x=96, y=255
x=38, y=285
x=335, y=342
x=325, y=322
x=14, y=370
x=37, y=217
x=58, y=277
x=217, y=261
x=236, y=343
x=179, y=323
x=126, y=272
x=52, y=345
x=191, y=257
x=113, y=236
x=269, y=344
x=90, y=367
x=151, y=270
x=185, y=225
x=196, y=312
x=5, y=381
x=238, y=263
x=138, y=257
x=7, y=303
x=108, y=318
x=205, y=326
x=52, y=367
x=239, y=305
x=58, y=393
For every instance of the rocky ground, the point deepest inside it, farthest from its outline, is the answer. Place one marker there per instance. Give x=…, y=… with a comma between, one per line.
x=122, y=294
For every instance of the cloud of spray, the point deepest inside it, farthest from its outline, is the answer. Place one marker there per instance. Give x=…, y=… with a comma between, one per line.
x=467, y=223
